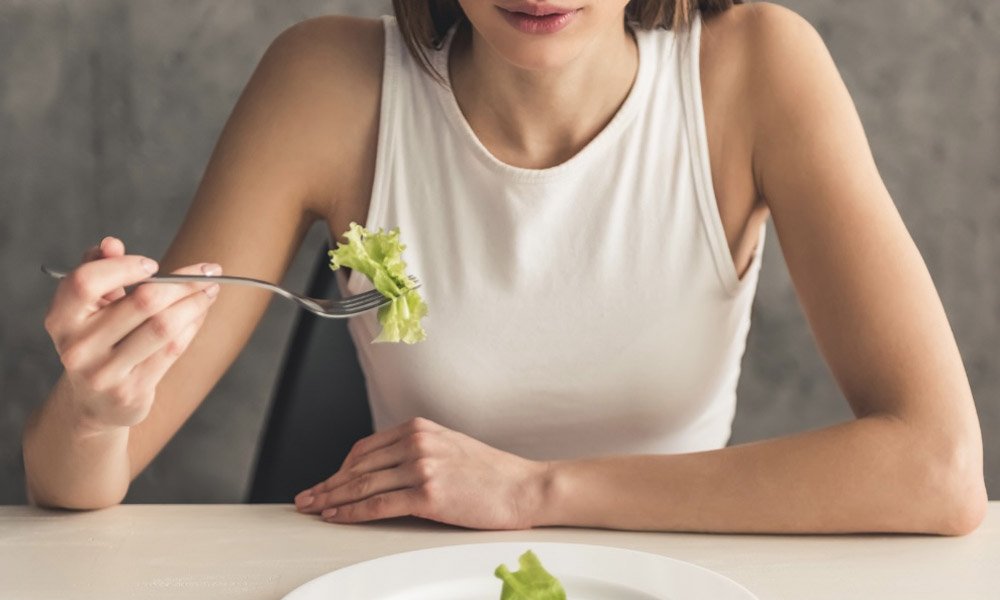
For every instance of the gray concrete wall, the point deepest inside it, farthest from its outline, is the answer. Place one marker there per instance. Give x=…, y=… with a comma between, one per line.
x=109, y=109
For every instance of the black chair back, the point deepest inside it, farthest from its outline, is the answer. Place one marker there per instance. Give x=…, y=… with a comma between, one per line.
x=320, y=405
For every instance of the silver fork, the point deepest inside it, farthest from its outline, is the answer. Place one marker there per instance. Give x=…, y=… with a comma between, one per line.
x=328, y=308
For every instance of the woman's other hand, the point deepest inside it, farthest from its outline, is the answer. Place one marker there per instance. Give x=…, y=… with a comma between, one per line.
x=116, y=346
x=425, y=470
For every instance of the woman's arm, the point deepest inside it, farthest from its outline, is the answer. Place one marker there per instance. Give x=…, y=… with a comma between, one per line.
x=912, y=459
x=306, y=117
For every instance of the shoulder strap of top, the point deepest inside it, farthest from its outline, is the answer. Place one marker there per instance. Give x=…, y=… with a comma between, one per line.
x=694, y=120
x=393, y=70
x=694, y=117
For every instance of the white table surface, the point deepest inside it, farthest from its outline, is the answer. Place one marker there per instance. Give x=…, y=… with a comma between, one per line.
x=265, y=551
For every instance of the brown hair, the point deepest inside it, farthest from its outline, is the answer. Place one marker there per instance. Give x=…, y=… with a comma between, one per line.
x=424, y=23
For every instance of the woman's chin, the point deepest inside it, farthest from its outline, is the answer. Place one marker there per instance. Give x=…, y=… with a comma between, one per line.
x=537, y=56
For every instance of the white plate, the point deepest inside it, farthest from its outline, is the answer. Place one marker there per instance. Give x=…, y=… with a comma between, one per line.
x=465, y=572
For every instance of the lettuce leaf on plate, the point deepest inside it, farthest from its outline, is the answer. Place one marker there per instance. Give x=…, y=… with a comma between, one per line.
x=531, y=582
x=379, y=256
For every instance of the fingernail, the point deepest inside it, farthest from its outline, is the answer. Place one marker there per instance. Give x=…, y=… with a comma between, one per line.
x=211, y=269
x=212, y=291
x=305, y=501
x=330, y=512
x=149, y=265
x=106, y=240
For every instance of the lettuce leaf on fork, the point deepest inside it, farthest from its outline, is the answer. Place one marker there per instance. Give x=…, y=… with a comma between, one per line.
x=379, y=256
x=531, y=582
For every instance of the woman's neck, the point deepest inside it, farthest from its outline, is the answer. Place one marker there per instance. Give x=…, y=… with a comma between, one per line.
x=539, y=119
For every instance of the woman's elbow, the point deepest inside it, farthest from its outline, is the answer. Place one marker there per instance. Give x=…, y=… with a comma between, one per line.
x=956, y=489
x=965, y=510
x=91, y=500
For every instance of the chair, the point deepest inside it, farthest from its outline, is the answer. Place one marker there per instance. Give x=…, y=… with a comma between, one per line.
x=320, y=405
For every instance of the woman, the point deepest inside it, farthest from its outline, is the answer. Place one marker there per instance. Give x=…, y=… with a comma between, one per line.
x=584, y=203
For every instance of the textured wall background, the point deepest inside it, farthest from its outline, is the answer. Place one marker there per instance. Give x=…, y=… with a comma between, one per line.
x=109, y=110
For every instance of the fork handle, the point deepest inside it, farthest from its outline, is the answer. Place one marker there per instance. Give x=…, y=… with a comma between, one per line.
x=213, y=278
x=233, y=279
x=177, y=278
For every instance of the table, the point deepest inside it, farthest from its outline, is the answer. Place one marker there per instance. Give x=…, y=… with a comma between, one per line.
x=265, y=551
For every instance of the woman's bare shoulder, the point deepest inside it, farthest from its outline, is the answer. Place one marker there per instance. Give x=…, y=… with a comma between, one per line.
x=770, y=50
x=773, y=64
x=334, y=58
x=758, y=26
x=350, y=45
x=320, y=80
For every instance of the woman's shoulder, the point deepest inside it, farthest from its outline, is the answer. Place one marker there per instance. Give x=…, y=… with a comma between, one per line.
x=758, y=26
x=323, y=69
x=319, y=83
x=347, y=49
x=769, y=60
x=333, y=63
x=769, y=48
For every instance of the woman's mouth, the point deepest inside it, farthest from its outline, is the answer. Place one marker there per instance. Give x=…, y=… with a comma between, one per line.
x=538, y=18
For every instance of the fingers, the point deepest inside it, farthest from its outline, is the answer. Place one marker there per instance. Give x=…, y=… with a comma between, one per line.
x=410, y=448
x=95, y=252
x=169, y=330
x=382, y=439
x=86, y=289
x=152, y=370
x=398, y=503
x=408, y=442
x=81, y=291
x=146, y=306
x=108, y=247
x=365, y=485
x=355, y=480
x=376, y=442
x=91, y=313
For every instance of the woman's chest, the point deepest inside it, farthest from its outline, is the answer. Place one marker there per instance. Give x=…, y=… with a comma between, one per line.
x=514, y=368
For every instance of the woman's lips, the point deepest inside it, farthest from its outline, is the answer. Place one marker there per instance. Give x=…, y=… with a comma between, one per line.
x=546, y=23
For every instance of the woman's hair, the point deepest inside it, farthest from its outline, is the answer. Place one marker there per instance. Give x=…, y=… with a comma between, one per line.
x=424, y=23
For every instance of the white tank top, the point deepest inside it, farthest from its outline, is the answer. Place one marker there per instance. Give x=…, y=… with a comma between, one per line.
x=587, y=309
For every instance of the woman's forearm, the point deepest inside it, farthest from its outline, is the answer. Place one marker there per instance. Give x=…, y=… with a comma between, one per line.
x=67, y=466
x=871, y=474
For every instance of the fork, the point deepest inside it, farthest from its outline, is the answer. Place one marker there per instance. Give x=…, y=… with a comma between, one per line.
x=328, y=308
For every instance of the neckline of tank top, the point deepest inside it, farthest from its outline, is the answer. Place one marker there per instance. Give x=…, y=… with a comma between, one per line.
x=622, y=117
